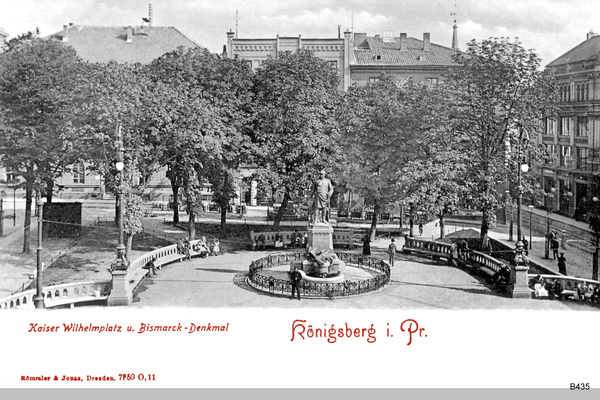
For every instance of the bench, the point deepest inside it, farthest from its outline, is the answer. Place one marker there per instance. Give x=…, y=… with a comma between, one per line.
x=340, y=237
x=270, y=237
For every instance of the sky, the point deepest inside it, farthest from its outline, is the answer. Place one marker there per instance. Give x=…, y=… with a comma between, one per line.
x=550, y=27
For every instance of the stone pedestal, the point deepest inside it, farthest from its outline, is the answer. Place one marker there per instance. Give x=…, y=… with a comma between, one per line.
x=519, y=287
x=321, y=235
x=120, y=295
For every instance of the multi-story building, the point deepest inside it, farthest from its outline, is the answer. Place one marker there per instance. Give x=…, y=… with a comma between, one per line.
x=102, y=44
x=572, y=136
x=358, y=58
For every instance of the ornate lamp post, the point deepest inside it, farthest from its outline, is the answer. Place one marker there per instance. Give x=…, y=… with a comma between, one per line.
x=523, y=169
x=121, y=263
x=595, y=225
x=38, y=300
x=530, y=212
x=549, y=207
x=120, y=294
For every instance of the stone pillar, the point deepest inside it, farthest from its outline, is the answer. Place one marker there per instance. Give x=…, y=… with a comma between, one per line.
x=253, y=185
x=321, y=235
x=519, y=287
x=120, y=295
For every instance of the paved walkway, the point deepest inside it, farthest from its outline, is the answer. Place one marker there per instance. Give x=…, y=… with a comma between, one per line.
x=416, y=284
x=216, y=281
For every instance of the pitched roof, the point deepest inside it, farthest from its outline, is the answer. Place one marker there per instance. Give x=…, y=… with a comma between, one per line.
x=590, y=49
x=390, y=54
x=109, y=43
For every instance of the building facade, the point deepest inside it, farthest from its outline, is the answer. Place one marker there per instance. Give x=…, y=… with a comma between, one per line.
x=359, y=59
x=572, y=136
x=122, y=44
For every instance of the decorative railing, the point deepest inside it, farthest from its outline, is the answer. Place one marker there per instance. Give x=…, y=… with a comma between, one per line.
x=320, y=289
x=74, y=292
x=58, y=295
x=569, y=283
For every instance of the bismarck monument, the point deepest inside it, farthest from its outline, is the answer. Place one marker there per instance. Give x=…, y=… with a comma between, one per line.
x=321, y=262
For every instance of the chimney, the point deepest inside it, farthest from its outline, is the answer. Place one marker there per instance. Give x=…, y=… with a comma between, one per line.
x=359, y=38
x=426, y=42
x=403, y=42
x=129, y=34
x=65, y=37
x=591, y=34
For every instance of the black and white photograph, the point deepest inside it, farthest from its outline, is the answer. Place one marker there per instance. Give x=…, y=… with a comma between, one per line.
x=375, y=194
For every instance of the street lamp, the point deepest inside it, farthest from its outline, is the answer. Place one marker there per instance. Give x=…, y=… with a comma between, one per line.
x=549, y=206
x=121, y=263
x=38, y=300
x=595, y=225
x=530, y=212
x=523, y=169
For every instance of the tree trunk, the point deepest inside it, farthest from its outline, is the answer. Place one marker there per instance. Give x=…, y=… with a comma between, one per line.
x=49, y=189
x=175, y=190
x=129, y=245
x=27, y=224
x=282, y=208
x=192, y=223
x=485, y=227
x=223, y=216
x=376, y=212
x=442, y=226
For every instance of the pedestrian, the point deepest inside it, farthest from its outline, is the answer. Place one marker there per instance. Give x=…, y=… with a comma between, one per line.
x=296, y=278
x=278, y=240
x=420, y=229
x=187, y=249
x=454, y=255
x=367, y=244
x=554, y=246
x=596, y=295
x=180, y=246
x=486, y=244
x=271, y=284
x=261, y=242
x=557, y=289
x=216, y=250
x=563, y=240
x=525, y=245
x=562, y=264
x=392, y=252
x=150, y=265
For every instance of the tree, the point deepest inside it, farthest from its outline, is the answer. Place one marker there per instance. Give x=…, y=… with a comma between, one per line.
x=294, y=129
x=202, y=113
x=500, y=96
x=379, y=122
x=39, y=139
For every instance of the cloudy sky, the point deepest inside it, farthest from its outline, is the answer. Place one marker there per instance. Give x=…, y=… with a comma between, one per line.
x=551, y=27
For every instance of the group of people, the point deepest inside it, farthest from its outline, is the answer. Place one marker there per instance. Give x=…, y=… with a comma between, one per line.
x=297, y=240
x=201, y=247
x=553, y=289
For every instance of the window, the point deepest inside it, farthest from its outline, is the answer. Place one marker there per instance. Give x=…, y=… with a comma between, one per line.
x=582, y=157
x=78, y=173
x=550, y=126
x=565, y=126
x=565, y=156
x=551, y=157
x=582, y=126
x=431, y=82
x=587, y=92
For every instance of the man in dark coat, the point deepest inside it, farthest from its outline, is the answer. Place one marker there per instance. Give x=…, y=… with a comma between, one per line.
x=296, y=278
x=562, y=264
